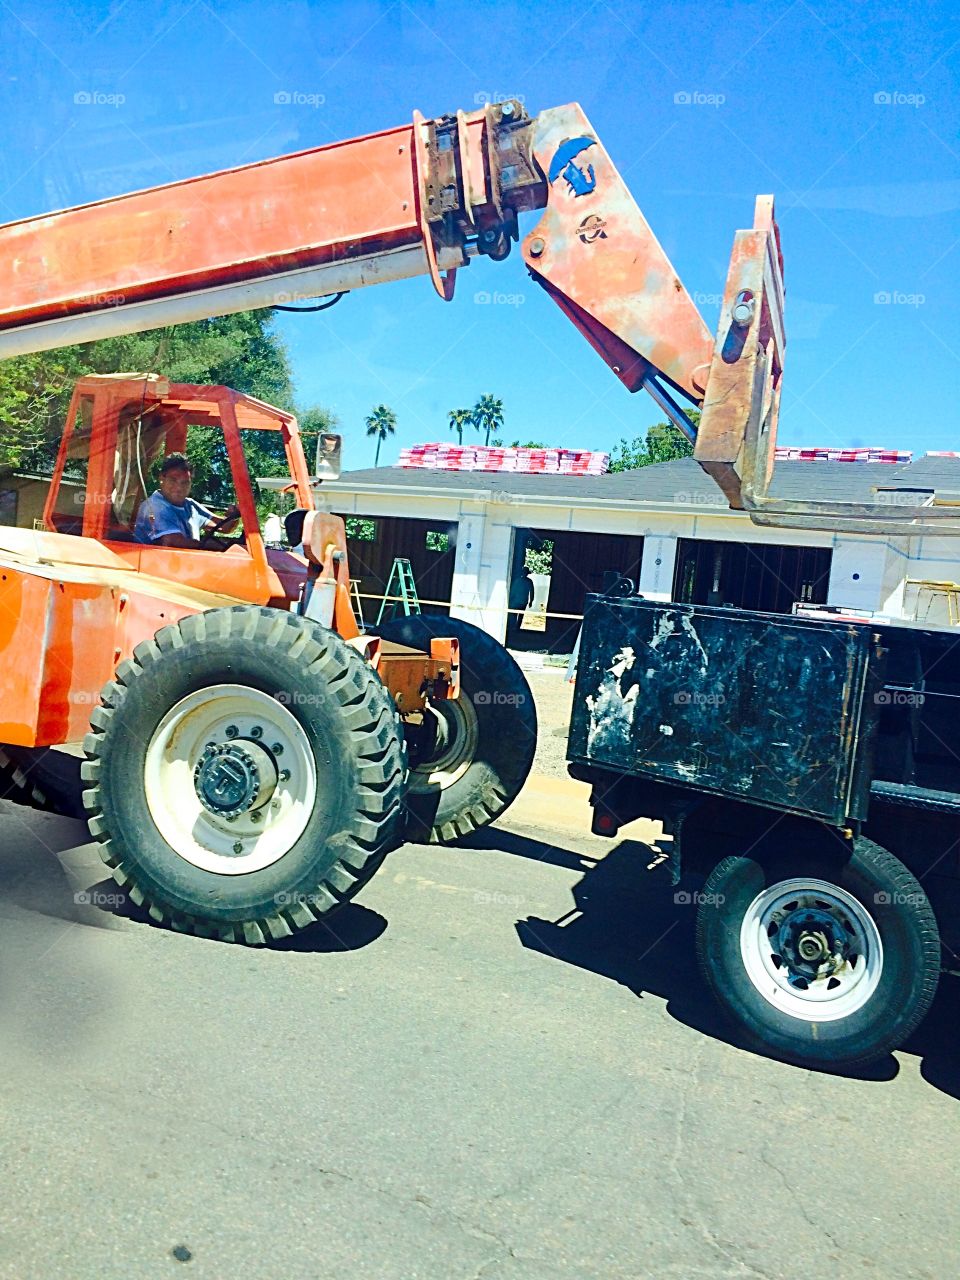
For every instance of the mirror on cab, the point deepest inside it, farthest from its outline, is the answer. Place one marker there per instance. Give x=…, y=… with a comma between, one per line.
x=327, y=465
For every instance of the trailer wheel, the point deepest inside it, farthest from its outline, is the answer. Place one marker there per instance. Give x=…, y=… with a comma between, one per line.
x=474, y=757
x=42, y=779
x=824, y=964
x=247, y=774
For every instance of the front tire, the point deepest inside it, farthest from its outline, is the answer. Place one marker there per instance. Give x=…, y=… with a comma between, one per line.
x=823, y=963
x=247, y=774
x=482, y=748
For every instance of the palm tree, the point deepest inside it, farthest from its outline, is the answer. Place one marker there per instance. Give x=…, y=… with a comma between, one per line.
x=488, y=415
x=382, y=422
x=458, y=419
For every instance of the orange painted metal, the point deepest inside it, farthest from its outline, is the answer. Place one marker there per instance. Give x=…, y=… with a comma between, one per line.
x=412, y=675
x=598, y=259
x=295, y=211
x=737, y=437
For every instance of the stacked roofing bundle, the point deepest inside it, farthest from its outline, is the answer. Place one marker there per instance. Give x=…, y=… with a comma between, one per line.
x=792, y=453
x=455, y=457
x=583, y=462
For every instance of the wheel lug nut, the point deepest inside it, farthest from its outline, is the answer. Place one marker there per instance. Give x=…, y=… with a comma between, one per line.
x=256, y=732
x=277, y=748
x=256, y=817
x=232, y=731
x=284, y=775
x=238, y=846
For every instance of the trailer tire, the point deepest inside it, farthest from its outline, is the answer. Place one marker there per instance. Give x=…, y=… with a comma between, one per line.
x=821, y=962
x=491, y=735
x=245, y=774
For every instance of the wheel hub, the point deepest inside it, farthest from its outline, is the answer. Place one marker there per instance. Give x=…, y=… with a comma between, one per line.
x=236, y=777
x=811, y=949
x=811, y=943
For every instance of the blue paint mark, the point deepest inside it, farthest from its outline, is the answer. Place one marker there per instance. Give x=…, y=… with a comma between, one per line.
x=562, y=165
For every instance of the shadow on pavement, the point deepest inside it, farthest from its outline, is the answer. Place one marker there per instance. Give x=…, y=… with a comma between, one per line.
x=631, y=925
x=31, y=874
x=348, y=929
x=935, y=1040
x=506, y=841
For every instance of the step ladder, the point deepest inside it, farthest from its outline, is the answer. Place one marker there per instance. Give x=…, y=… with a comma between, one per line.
x=402, y=588
x=357, y=604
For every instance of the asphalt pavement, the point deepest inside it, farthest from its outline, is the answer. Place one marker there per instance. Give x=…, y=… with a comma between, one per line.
x=499, y=1062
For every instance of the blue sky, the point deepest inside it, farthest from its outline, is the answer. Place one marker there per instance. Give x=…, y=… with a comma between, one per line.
x=868, y=191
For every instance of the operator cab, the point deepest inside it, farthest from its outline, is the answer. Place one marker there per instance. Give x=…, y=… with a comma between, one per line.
x=119, y=430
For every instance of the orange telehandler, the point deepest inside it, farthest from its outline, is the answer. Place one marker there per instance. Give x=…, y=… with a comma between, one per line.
x=250, y=758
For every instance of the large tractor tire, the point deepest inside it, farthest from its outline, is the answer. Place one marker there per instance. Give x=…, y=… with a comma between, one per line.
x=246, y=774
x=825, y=963
x=42, y=779
x=474, y=753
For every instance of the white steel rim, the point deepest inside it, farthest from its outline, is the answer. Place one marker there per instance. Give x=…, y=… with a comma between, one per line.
x=220, y=714
x=844, y=985
x=453, y=761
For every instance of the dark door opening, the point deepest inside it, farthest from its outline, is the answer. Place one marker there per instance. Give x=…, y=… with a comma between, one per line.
x=565, y=567
x=750, y=575
x=374, y=542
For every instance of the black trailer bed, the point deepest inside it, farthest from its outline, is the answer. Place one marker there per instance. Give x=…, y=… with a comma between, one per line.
x=793, y=713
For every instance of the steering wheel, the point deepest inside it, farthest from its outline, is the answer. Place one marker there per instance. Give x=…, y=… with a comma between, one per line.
x=239, y=540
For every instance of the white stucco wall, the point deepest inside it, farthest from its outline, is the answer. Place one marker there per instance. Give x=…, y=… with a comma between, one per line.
x=866, y=572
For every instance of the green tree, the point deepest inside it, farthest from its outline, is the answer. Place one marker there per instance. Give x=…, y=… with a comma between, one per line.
x=458, y=419
x=382, y=422
x=663, y=443
x=487, y=415
x=241, y=351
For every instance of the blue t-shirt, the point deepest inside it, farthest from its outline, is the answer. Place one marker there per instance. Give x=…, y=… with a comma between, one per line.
x=159, y=517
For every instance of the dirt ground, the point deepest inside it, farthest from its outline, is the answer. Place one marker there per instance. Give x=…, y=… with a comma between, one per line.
x=553, y=697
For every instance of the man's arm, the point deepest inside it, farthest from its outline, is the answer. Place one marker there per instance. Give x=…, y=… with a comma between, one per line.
x=226, y=524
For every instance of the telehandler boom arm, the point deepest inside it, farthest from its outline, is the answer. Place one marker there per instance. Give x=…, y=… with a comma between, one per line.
x=423, y=199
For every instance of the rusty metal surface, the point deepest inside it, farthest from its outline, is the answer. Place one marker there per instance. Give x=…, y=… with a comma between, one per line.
x=413, y=676
x=595, y=254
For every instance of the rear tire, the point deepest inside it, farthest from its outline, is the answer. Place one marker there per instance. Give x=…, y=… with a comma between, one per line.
x=246, y=774
x=488, y=735
x=824, y=963
x=43, y=779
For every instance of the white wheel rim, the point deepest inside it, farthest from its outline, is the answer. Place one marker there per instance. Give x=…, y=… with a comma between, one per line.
x=455, y=759
x=797, y=916
x=229, y=714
